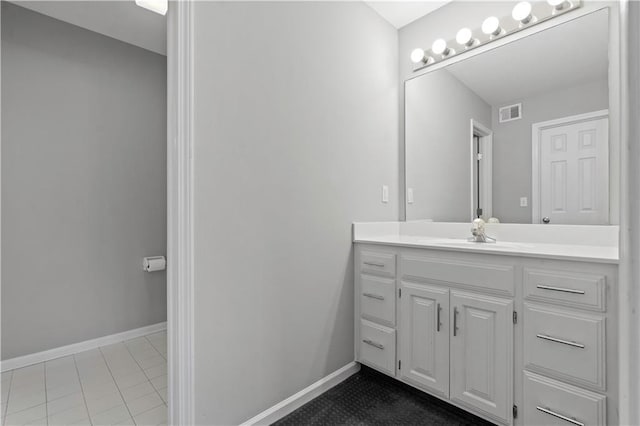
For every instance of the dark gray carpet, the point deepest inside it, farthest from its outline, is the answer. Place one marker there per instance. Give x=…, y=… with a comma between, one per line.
x=371, y=398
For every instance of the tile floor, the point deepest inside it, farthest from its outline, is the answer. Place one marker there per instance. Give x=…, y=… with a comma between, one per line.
x=120, y=384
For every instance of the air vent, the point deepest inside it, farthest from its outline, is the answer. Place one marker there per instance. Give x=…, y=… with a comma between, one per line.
x=510, y=113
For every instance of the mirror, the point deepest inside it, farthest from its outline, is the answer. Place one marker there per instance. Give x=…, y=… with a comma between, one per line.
x=518, y=133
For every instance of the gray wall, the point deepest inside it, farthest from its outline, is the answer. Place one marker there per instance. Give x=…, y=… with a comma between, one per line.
x=439, y=109
x=83, y=184
x=512, y=143
x=295, y=133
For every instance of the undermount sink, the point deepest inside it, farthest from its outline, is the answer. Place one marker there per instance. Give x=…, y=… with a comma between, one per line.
x=455, y=242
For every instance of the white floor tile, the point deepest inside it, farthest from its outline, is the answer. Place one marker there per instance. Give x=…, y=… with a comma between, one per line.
x=158, y=370
x=65, y=403
x=144, y=403
x=107, y=402
x=124, y=382
x=70, y=416
x=111, y=417
x=26, y=416
x=164, y=394
x=22, y=401
x=137, y=391
x=152, y=417
x=64, y=390
x=159, y=382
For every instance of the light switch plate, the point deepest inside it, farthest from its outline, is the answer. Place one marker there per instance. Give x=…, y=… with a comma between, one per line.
x=410, y=195
x=524, y=202
x=385, y=193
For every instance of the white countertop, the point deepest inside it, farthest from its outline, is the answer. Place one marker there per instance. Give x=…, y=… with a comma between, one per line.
x=564, y=242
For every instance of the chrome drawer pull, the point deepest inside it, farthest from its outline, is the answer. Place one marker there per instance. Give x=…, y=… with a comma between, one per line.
x=438, y=323
x=564, y=290
x=564, y=342
x=373, y=296
x=374, y=344
x=560, y=416
x=378, y=264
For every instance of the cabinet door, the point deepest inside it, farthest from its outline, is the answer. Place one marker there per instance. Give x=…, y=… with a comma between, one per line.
x=482, y=353
x=424, y=337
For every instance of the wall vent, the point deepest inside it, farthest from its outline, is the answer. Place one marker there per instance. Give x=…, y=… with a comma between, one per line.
x=510, y=113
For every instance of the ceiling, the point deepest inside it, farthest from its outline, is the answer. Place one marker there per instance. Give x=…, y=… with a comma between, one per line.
x=564, y=56
x=400, y=13
x=122, y=20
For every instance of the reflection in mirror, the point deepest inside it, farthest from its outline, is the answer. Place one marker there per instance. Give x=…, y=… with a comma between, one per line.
x=518, y=133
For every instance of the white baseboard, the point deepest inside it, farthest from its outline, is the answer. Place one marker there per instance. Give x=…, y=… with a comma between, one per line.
x=296, y=401
x=26, y=360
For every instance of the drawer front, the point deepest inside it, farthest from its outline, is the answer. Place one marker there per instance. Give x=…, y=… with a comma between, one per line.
x=549, y=402
x=377, y=299
x=565, y=344
x=499, y=278
x=378, y=346
x=378, y=263
x=574, y=289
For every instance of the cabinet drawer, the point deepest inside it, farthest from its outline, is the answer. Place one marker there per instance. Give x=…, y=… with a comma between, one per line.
x=549, y=402
x=377, y=299
x=378, y=263
x=378, y=346
x=574, y=289
x=485, y=276
x=565, y=344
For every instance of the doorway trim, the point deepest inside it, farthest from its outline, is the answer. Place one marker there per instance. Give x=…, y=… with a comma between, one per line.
x=536, y=131
x=180, y=283
x=486, y=173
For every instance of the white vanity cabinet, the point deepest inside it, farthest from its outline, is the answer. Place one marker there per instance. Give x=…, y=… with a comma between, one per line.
x=515, y=340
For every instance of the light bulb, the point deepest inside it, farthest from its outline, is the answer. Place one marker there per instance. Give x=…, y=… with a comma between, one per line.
x=491, y=26
x=558, y=4
x=157, y=6
x=522, y=12
x=465, y=37
x=417, y=56
x=439, y=47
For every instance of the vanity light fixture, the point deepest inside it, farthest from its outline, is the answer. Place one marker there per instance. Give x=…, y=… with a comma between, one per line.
x=464, y=37
x=525, y=14
x=522, y=12
x=491, y=27
x=419, y=57
x=439, y=47
x=157, y=6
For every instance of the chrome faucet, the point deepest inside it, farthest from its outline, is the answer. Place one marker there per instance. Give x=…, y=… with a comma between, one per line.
x=478, y=232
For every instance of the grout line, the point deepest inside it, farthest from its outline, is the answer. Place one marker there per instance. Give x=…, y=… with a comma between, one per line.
x=124, y=401
x=46, y=399
x=84, y=398
x=154, y=347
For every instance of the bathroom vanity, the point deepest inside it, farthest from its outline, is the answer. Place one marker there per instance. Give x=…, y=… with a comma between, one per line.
x=522, y=331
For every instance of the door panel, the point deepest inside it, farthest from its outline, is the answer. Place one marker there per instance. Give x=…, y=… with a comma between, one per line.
x=574, y=172
x=424, y=338
x=482, y=353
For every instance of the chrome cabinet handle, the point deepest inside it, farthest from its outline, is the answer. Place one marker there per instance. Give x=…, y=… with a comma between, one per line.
x=455, y=321
x=560, y=416
x=373, y=296
x=564, y=290
x=546, y=219
x=556, y=340
x=374, y=344
x=438, y=323
x=378, y=264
